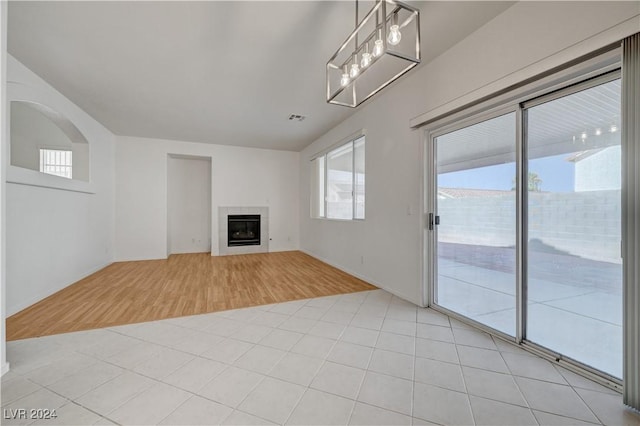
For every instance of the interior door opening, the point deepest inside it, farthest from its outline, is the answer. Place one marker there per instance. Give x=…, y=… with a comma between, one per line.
x=188, y=204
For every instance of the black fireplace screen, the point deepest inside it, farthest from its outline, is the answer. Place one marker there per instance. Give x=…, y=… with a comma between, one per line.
x=243, y=230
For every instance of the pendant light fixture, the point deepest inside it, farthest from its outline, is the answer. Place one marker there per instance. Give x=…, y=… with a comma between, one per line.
x=394, y=32
x=382, y=47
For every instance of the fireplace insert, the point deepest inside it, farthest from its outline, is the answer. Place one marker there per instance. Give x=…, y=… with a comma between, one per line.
x=243, y=230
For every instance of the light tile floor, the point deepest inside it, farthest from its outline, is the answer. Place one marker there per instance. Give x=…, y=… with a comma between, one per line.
x=362, y=358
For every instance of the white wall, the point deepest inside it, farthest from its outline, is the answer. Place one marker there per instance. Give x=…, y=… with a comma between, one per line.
x=4, y=142
x=600, y=171
x=56, y=237
x=241, y=177
x=528, y=38
x=189, y=205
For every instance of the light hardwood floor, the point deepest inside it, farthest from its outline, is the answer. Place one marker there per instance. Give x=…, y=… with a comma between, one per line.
x=185, y=284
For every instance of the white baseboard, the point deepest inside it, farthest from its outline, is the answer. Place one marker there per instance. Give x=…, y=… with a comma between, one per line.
x=5, y=369
x=15, y=309
x=363, y=278
x=140, y=259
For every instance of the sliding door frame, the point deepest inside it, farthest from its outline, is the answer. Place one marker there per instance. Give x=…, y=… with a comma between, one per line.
x=525, y=106
x=432, y=208
x=522, y=212
x=601, y=67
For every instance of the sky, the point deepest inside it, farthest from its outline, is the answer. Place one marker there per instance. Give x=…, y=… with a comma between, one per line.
x=556, y=172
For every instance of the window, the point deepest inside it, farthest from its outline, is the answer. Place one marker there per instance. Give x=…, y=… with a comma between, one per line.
x=338, y=181
x=56, y=162
x=358, y=178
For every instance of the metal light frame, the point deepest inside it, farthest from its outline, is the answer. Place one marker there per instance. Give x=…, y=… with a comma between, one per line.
x=381, y=28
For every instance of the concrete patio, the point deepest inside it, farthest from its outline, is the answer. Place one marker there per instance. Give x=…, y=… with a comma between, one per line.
x=574, y=308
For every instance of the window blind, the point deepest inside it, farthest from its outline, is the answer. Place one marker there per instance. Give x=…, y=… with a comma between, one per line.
x=631, y=217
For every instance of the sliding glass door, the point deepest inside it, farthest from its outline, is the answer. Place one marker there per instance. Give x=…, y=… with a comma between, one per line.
x=531, y=199
x=574, y=213
x=476, y=205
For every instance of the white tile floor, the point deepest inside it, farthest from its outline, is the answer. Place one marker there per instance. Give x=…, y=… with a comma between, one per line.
x=362, y=358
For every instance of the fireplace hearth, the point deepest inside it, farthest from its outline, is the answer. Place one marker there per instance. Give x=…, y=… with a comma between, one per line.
x=243, y=230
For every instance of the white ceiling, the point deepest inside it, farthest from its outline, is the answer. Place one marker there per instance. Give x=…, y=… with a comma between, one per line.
x=214, y=72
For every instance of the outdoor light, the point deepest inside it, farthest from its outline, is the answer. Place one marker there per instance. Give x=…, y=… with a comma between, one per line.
x=395, y=49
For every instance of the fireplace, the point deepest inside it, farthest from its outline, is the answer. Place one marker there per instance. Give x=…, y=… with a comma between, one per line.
x=243, y=230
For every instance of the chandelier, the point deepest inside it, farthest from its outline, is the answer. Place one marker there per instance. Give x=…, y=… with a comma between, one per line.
x=382, y=47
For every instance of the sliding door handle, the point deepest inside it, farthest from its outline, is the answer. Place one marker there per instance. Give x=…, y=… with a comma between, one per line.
x=434, y=220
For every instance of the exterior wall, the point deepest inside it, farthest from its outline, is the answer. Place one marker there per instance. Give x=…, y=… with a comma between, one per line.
x=597, y=172
x=585, y=224
x=479, y=221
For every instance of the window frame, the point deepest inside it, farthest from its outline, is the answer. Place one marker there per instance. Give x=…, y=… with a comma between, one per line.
x=44, y=150
x=350, y=140
x=22, y=176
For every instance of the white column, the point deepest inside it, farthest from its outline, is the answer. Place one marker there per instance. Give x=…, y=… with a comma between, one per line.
x=631, y=217
x=4, y=135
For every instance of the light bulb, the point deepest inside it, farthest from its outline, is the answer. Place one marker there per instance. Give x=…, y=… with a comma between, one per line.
x=354, y=71
x=378, y=48
x=394, y=35
x=583, y=136
x=598, y=132
x=344, y=81
x=366, y=60
x=613, y=128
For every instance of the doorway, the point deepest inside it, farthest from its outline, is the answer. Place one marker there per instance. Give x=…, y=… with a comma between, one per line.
x=524, y=224
x=188, y=204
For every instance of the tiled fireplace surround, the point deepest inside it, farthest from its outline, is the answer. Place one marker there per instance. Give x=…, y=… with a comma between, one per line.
x=224, y=212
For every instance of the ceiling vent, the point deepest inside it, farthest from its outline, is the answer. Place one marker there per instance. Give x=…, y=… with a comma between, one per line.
x=296, y=117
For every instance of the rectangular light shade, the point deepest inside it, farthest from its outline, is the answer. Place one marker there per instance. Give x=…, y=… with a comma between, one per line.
x=394, y=61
